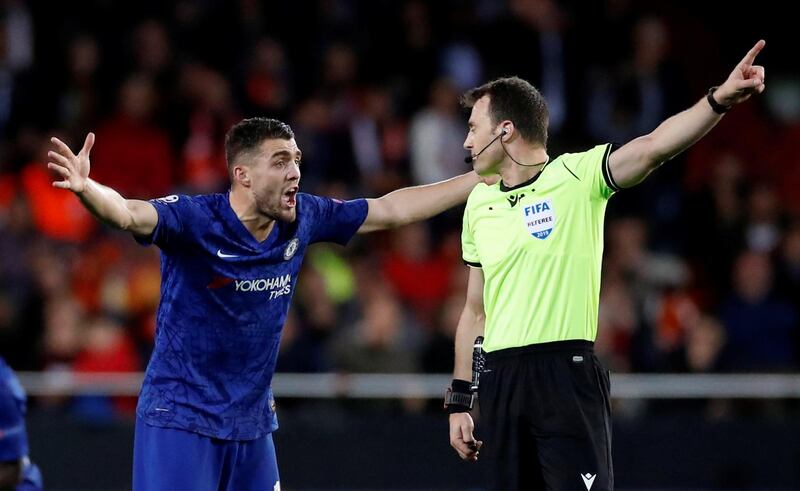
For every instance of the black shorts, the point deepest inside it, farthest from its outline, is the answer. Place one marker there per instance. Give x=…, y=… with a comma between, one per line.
x=545, y=418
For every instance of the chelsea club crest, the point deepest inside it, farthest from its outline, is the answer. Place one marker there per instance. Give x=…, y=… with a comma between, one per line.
x=291, y=248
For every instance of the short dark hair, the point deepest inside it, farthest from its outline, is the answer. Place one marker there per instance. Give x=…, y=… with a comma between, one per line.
x=516, y=100
x=247, y=135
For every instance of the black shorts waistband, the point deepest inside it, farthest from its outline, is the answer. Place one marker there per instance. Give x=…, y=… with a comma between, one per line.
x=574, y=345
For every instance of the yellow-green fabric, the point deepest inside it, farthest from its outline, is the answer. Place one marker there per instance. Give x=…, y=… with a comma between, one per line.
x=540, y=245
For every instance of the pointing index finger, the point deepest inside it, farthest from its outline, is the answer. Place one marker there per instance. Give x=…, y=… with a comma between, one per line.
x=750, y=57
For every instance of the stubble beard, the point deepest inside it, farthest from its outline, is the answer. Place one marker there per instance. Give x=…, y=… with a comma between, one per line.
x=272, y=208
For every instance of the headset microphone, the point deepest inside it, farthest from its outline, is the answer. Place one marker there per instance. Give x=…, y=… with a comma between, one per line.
x=471, y=159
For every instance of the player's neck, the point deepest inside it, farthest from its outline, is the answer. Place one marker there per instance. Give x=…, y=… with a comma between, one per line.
x=513, y=174
x=245, y=209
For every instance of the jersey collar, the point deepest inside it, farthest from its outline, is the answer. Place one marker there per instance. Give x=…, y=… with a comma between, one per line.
x=241, y=230
x=530, y=181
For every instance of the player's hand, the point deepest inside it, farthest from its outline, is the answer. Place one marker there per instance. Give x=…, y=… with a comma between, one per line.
x=745, y=80
x=461, y=438
x=73, y=169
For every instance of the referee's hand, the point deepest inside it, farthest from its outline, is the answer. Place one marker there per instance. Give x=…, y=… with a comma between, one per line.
x=461, y=438
x=745, y=80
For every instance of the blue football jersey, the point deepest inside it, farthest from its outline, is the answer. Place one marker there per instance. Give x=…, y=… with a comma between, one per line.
x=13, y=437
x=31, y=478
x=224, y=299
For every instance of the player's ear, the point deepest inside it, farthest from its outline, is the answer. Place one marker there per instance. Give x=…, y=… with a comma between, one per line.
x=240, y=175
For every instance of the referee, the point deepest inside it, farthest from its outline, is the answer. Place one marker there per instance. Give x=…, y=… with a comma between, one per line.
x=534, y=244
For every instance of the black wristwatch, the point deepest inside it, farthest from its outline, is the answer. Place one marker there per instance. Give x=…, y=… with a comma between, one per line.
x=716, y=106
x=458, y=398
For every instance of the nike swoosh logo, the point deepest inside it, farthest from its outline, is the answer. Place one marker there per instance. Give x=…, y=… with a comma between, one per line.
x=225, y=256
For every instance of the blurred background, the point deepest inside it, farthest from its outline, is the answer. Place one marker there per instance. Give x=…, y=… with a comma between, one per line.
x=701, y=274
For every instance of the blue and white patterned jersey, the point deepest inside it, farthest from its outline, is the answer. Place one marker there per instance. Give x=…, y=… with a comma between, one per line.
x=224, y=299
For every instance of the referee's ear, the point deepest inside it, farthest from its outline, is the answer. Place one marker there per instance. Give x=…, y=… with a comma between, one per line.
x=506, y=131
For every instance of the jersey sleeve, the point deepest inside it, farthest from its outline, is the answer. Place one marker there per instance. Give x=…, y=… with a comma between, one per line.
x=178, y=216
x=336, y=220
x=591, y=168
x=469, y=253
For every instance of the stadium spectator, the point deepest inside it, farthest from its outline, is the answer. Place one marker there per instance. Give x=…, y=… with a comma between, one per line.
x=435, y=136
x=133, y=154
x=760, y=326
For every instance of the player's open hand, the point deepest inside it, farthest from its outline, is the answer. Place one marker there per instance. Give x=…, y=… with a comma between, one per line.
x=461, y=437
x=73, y=169
x=745, y=80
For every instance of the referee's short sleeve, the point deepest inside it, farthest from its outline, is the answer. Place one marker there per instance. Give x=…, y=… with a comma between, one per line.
x=469, y=253
x=592, y=169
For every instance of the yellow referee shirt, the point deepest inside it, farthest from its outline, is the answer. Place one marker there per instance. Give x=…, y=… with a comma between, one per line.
x=540, y=245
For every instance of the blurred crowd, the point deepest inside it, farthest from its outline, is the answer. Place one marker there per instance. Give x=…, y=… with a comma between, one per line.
x=702, y=261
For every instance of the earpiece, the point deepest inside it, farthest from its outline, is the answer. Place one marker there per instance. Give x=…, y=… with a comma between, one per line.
x=471, y=158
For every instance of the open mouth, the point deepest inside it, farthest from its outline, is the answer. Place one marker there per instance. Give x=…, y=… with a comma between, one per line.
x=290, y=197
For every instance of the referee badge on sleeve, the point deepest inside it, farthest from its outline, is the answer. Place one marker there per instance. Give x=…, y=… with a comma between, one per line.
x=539, y=218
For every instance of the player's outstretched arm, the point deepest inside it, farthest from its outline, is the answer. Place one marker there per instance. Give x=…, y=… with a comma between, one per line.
x=416, y=203
x=138, y=217
x=470, y=326
x=633, y=162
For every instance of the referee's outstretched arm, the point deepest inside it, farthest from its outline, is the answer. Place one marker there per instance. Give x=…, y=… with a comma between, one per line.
x=470, y=326
x=632, y=163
